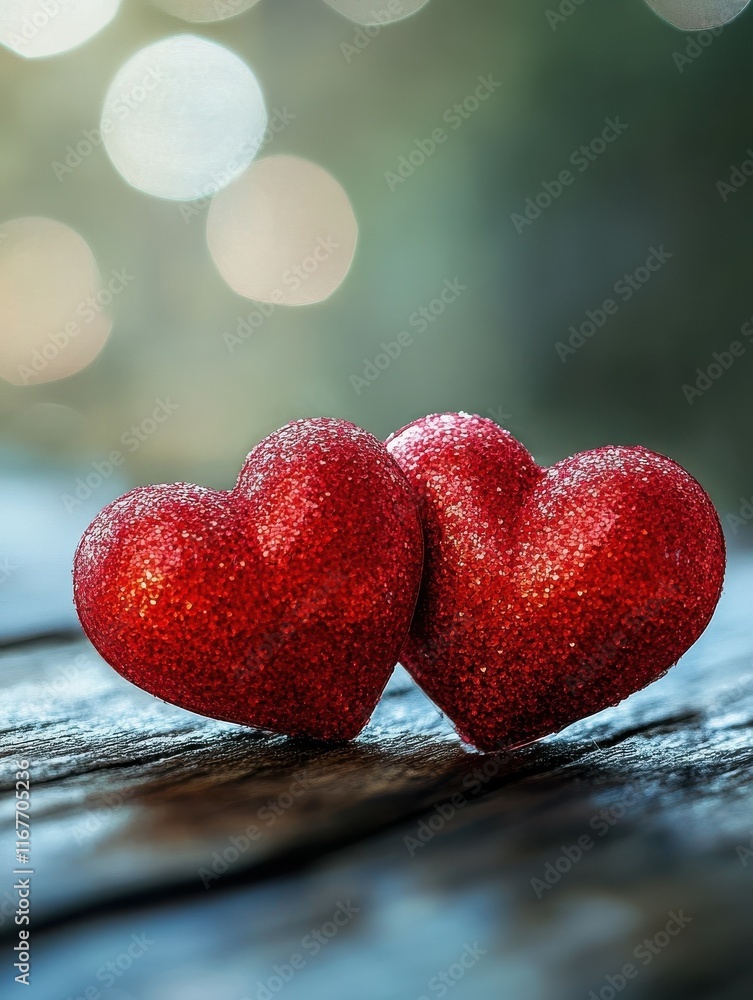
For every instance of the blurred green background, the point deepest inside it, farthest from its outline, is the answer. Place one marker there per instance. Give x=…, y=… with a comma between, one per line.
x=493, y=350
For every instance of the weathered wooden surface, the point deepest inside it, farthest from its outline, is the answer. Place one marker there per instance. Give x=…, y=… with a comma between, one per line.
x=134, y=802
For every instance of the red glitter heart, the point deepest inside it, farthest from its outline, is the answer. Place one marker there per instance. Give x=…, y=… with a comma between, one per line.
x=549, y=594
x=281, y=604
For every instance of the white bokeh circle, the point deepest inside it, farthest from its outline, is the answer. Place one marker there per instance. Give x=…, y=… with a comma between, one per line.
x=183, y=118
x=38, y=28
x=695, y=15
x=368, y=12
x=202, y=11
x=283, y=233
x=53, y=310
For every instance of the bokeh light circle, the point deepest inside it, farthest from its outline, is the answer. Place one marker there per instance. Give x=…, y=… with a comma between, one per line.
x=53, y=315
x=183, y=118
x=283, y=233
x=368, y=12
x=201, y=11
x=38, y=28
x=695, y=15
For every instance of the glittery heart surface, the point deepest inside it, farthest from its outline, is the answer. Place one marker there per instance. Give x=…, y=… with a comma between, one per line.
x=281, y=604
x=550, y=593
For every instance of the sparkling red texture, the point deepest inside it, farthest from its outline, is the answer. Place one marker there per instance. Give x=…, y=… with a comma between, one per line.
x=282, y=604
x=550, y=593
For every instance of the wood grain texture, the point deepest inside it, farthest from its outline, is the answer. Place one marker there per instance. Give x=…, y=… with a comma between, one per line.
x=136, y=802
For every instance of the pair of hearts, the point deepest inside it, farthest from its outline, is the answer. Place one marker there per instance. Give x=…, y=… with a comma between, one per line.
x=520, y=598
